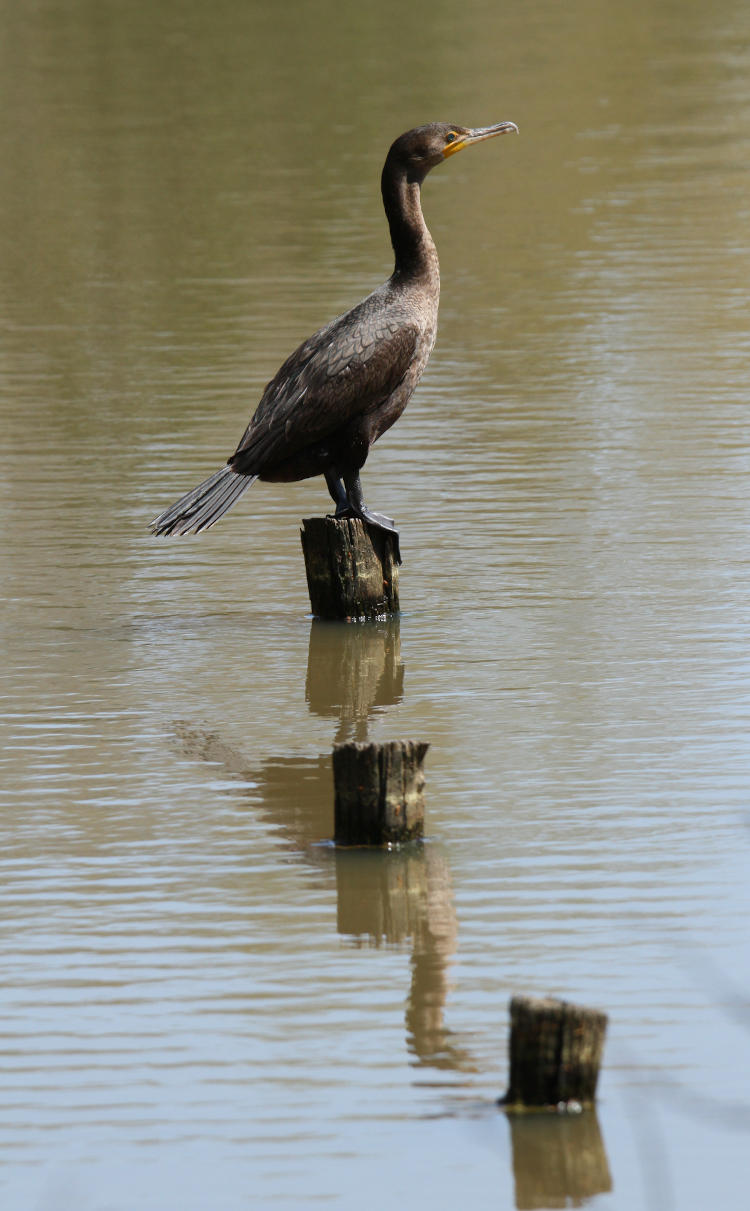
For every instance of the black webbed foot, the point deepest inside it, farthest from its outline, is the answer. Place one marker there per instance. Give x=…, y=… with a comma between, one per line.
x=379, y=520
x=349, y=503
x=386, y=524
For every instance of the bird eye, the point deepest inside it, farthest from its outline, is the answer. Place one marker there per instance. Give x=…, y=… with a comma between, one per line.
x=451, y=136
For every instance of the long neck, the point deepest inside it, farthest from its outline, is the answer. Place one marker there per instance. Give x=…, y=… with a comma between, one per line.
x=416, y=255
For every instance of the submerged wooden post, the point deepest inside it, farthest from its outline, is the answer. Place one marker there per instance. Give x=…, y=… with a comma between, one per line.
x=378, y=789
x=352, y=568
x=555, y=1053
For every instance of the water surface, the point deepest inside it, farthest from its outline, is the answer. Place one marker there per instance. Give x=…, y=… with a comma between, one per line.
x=203, y=1002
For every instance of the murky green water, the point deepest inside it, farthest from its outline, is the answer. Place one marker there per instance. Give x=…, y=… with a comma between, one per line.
x=202, y=1005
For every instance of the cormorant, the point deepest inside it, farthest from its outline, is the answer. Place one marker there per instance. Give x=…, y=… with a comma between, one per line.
x=344, y=386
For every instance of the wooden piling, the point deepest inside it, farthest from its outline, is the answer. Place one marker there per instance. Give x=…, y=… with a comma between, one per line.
x=352, y=568
x=555, y=1053
x=378, y=792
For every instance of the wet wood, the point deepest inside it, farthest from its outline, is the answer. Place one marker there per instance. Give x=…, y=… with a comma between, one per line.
x=555, y=1053
x=378, y=792
x=352, y=568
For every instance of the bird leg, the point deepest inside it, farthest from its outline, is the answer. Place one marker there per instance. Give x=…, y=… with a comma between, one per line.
x=349, y=503
x=358, y=508
x=338, y=493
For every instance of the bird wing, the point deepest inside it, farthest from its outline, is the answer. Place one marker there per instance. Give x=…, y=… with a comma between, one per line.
x=349, y=367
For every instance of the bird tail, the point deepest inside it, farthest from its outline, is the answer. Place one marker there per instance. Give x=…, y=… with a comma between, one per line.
x=199, y=509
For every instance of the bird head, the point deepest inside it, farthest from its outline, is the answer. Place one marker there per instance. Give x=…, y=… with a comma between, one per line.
x=421, y=149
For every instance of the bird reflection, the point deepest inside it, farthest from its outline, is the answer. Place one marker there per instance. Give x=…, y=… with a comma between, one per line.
x=295, y=793
x=352, y=671
x=397, y=897
x=383, y=898
x=392, y=898
x=558, y=1160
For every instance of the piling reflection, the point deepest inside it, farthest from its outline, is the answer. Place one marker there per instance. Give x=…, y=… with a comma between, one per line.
x=558, y=1160
x=352, y=670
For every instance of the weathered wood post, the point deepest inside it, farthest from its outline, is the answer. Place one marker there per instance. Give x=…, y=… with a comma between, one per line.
x=378, y=790
x=555, y=1053
x=352, y=568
